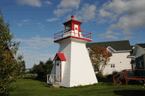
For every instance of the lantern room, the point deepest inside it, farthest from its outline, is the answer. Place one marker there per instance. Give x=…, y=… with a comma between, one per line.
x=72, y=30
x=72, y=25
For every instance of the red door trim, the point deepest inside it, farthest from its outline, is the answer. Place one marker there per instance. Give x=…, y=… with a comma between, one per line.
x=60, y=71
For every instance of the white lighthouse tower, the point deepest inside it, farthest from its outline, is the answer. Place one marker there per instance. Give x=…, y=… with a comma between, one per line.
x=72, y=65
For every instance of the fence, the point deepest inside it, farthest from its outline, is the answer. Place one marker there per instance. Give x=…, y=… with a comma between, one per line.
x=62, y=34
x=134, y=73
x=53, y=79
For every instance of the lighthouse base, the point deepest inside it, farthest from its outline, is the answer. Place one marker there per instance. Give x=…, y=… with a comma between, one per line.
x=77, y=69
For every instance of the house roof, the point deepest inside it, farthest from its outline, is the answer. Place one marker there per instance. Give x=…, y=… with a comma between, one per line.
x=116, y=45
x=132, y=46
x=142, y=45
x=60, y=56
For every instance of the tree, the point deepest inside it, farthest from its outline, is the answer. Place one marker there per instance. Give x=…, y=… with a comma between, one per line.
x=9, y=67
x=99, y=57
x=30, y=71
x=23, y=69
x=43, y=68
x=48, y=67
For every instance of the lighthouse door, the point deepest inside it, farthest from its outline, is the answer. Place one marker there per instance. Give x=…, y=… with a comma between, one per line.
x=57, y=70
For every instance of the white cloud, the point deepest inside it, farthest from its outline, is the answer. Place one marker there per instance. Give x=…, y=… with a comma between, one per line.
x=135, y=21
x=26, y=20
x=66, y=6
x=127, y=37
x=41, y=26
x=117, y=33
x=60, y=12
x=39, y=23
x=32, y=57
x=48, y=2
x=35, y=42
x=86, y=13
x=130, y=14
x=109, y=37
x=109, y=32
x=104, y=13
x=69, y=4
x=52, y=19
x=33, y=3
x=19, y=24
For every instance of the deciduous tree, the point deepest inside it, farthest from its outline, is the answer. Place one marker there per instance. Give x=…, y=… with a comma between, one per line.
x=99, y=57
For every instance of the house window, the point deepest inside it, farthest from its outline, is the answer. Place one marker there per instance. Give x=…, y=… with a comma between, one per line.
x=140, y=63
x=112, y=65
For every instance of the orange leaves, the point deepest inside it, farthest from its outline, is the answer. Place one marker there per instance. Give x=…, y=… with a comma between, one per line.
x=99, y=55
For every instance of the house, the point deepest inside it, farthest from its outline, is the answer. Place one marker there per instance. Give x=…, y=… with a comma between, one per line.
x=133, y=65
x=119, y=59
x=138, y=57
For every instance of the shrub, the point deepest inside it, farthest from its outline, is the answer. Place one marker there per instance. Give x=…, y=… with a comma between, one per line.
x=114, y=72
x=100, y=75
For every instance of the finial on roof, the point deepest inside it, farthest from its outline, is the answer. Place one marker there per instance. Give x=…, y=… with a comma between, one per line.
x=72, y=17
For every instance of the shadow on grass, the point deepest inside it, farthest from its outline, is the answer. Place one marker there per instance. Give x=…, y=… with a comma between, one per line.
x=37, y=79
x=129, y=92
x=109, y=81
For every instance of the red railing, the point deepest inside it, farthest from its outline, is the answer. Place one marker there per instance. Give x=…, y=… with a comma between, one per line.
x=127, y=77
x=82, y=34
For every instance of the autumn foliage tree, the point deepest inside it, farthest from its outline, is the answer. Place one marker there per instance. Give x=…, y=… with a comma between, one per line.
x=99, y=57
x=9, y=66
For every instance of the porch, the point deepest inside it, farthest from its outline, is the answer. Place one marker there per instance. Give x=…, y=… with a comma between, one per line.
x=129, y=74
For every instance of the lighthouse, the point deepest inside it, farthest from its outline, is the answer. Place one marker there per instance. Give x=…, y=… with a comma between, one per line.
x=72, y=65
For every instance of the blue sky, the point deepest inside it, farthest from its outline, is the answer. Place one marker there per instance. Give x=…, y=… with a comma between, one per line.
x=34, y=23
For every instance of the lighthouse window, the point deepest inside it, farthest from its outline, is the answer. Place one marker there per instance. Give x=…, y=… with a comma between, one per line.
x=68, y=27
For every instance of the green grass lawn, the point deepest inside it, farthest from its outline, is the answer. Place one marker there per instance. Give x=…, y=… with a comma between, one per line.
x=30, y=87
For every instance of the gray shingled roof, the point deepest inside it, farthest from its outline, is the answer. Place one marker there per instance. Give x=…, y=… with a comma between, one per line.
x=142, y=45
x=117, y=45
x=132, y=46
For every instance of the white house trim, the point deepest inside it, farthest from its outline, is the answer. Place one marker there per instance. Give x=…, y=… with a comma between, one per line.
x=119, y=50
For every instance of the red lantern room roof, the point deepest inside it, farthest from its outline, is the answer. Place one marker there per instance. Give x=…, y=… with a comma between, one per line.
x=72, y=21
x=59, y=56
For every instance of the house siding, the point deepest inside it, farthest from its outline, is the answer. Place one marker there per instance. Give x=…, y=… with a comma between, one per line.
x=138, y=59
x=121, y=62
x=144, y=60
x=139, y=52
x=138, y=72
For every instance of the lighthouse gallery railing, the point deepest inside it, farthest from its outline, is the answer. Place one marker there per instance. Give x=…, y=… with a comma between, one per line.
x=62, y=34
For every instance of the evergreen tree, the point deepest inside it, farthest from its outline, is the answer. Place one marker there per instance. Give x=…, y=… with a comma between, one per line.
x=9, y=66
x=23, y=69
x=43, y=69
